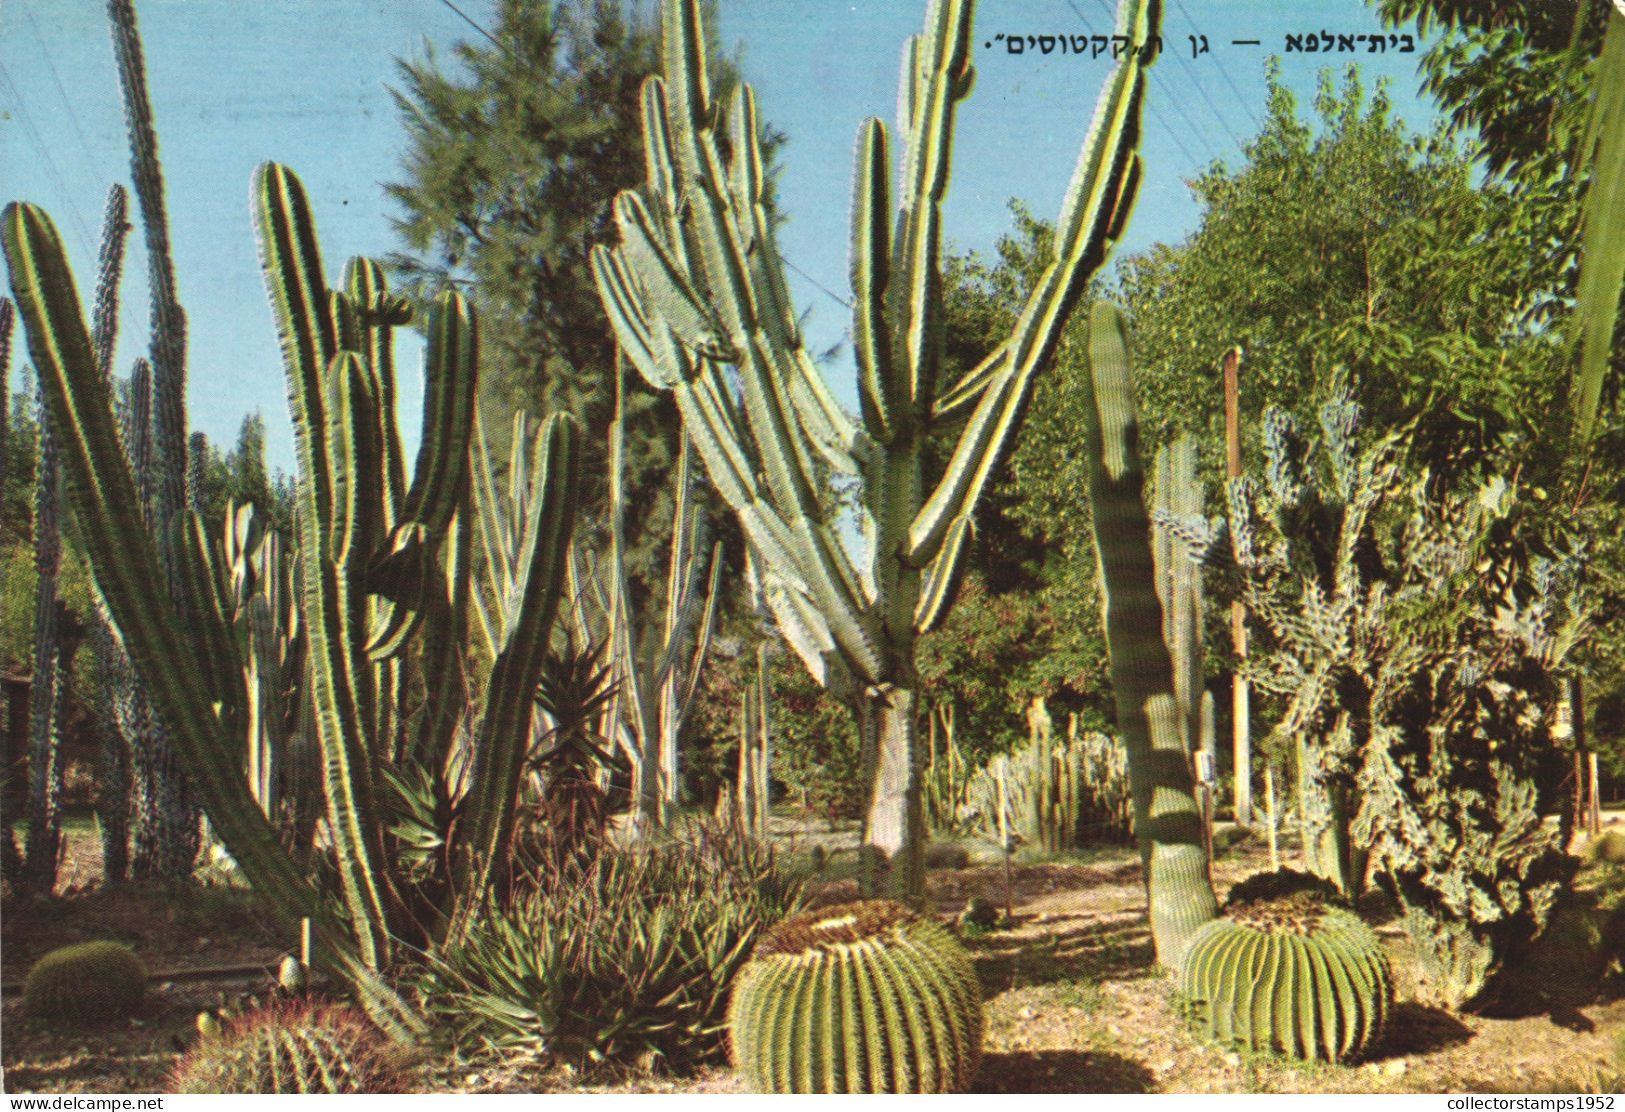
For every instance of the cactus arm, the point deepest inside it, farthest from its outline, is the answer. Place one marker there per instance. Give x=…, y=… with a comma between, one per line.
x=504, y=730
x=1166, y=818
x=961, y=398
x=168, y=318
x=871, y=251
x=109, y=269
x=368, y=290
x=1092, y=216
x=494, y=544
x=1602, y=260
x=941, y=579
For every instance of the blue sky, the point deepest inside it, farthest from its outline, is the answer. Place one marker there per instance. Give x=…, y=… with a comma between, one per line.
x=304, y=82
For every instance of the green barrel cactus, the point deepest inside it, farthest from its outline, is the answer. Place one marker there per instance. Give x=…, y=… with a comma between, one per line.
x=291, y=1048
x=1292, y=974
x=865, y=997
x=92, y=982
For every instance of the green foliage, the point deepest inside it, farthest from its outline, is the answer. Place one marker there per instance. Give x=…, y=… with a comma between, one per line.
x=291, y=1047
x=612, y=958
x=866, y=997
x=1288, y=974
x=85, y=984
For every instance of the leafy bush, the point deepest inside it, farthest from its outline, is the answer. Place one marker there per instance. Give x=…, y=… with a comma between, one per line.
x=626, y=954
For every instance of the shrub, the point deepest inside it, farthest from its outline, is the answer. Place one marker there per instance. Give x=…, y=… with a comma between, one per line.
x=92, y=982
x=621, y=956
x=293, y=1048
x=865, y=997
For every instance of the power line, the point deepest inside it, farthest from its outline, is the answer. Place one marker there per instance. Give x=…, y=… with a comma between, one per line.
x=51, y=169
x=1150, y=103
x=466, y=19
x=1190, y=69
x=1225, y=73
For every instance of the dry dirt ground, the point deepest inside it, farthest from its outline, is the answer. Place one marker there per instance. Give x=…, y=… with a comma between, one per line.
x=1074, y=1001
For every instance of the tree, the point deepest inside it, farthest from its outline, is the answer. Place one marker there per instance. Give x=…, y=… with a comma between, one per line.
x=511, y=168
x=1355, y=245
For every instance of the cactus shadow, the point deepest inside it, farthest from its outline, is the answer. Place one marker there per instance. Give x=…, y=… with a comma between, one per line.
x=1063, y=1071
x=1114, y=949
x=1415, y=1028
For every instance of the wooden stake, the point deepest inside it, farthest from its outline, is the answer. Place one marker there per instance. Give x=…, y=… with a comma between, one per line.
x=1269, y=813
x=1241, y=743
x=304, y=942
x=1594, y=797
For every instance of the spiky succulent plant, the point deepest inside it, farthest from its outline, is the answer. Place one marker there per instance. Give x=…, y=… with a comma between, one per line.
x=866, y=997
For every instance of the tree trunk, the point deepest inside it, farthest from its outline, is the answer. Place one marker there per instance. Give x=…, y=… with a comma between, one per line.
x=893, y=853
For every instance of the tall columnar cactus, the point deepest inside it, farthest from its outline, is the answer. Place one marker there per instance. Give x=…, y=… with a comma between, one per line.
x=1179, y=582
x=867, y=997
x=696, y=285
x=365, y=590
x=7, y=318
x=1167, y=820
x=1291, y=975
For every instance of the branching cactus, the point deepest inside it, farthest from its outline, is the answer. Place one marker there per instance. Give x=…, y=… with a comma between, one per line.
x=866, y=997
x=697, y=286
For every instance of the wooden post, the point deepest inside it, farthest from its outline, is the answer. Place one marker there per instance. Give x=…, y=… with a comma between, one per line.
x=1594, y=799
x=1239, y=701
x=1269, y=816
x=304, y=942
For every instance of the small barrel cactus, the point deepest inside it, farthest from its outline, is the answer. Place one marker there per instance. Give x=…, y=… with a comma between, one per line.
x=1292, y=974
x=291, y=1048
x=92, y=982
x=865, y=997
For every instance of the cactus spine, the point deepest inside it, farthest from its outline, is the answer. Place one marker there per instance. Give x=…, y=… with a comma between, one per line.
x=867, y=997
x=1167, y=820
x=1290, y=975
x=696, y=284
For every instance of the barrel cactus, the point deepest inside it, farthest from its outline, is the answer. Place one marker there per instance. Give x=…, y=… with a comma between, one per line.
x=1294, y=974
x=865, y=997
x=291, y=1048
x=92, y=982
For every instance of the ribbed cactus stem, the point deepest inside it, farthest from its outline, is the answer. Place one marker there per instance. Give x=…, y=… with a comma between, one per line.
x=168, y=319
x=46, y=761
x=697, y=282
x=1167, y=820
